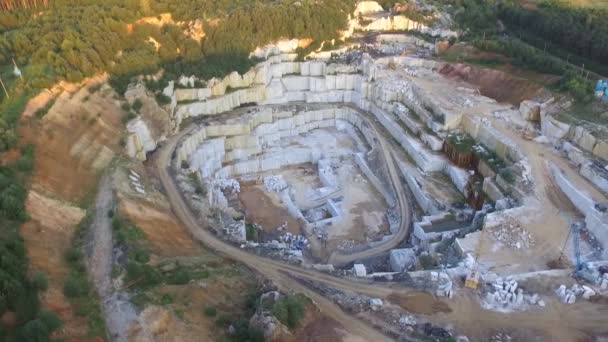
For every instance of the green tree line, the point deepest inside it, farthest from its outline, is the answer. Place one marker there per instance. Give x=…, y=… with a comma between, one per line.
x=580, y=31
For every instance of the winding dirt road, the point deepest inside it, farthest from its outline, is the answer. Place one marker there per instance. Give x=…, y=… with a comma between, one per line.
x=273, y=270
x=557, y=322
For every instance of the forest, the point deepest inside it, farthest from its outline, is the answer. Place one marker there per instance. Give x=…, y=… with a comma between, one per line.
x=578, y=35
x=579, y=31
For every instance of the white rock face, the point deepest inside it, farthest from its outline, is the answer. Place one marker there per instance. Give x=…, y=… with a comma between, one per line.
x=552, y=129
x=595, y=221
x=139, y=141
x=359, y=270
x=530, y=110
x=402, y=259
x=367, y=7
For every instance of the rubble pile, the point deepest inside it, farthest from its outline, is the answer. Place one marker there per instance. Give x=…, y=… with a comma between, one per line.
x=508, y=296
x=275, y=183
x=512, y=235
x=235, y=231
x=294, y=241
x=445, y=285
x=232, y=184
x=568, y=295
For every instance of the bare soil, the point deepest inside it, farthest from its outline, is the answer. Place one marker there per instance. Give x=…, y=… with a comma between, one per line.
x=493, y=83
x=47, y=236
x=263, y=210
x=419, y=303
x=226, y=289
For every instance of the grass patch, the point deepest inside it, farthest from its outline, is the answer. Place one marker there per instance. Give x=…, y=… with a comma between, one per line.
x=289, y=310
x=210, y=311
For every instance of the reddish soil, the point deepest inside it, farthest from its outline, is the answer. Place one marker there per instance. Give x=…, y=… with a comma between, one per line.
x=47, y=237
x=260, y=209
x=167, y=238
x=493, y=83
x=419, y=303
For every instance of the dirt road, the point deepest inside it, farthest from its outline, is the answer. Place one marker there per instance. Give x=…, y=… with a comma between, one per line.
x=118, y=310
x=556, y=321
x=269, y=268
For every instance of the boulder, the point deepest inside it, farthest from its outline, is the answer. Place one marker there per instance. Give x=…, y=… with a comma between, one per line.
x=530, y=110
x=268, y=325
x=402, y=259
x=553, y=129
x=359, y=270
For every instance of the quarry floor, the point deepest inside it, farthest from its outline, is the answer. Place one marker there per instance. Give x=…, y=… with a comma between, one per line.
x=363, y=210
x=550, y=211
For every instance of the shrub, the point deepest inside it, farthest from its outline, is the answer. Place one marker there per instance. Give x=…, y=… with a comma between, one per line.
x=34, y=330
x=145, y=276
x=50, y=319
x=166, y=299
x=125, y=106
x=76, y=285
x=40, y=281
x=128, y=117
x=290, y=309
x=210, y=311
x=162, y=99
x=222, y=320
x=95, y=88
x=141, y=255
x=243, y=332
x=180, y=276
x=137, y=104
x=73, y=255
x=120, y=83
x=251, y=232
x=427, y=262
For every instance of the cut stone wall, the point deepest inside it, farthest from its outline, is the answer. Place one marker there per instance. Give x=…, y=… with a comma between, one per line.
x=595, y=221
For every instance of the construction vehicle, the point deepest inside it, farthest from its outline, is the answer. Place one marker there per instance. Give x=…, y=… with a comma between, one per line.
x=472, y=279
x=581, y=270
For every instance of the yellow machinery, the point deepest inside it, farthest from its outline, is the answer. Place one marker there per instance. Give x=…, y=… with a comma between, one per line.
x=472, y=280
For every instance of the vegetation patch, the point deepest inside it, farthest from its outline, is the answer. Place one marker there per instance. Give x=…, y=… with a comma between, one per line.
x=290, y=309
x=41, y=112
x=77, y=287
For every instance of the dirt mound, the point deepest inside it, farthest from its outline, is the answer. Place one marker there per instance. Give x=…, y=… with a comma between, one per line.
x=420, y=303
x=493, y=83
